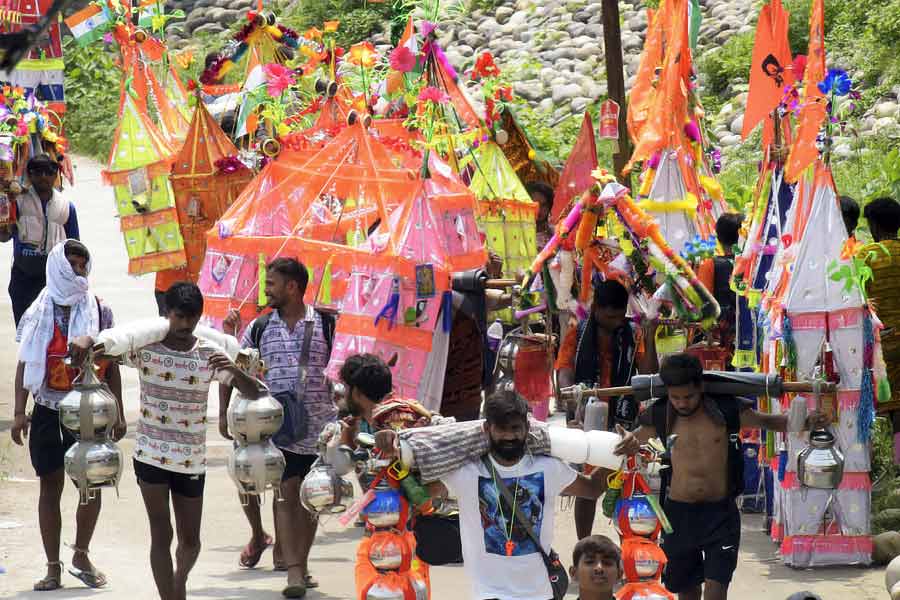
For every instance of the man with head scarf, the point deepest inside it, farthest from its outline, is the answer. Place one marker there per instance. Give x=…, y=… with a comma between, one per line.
x=44, y=218
x=63, y=311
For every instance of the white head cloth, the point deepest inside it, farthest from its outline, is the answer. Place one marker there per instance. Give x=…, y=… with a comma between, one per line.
x=35, y=330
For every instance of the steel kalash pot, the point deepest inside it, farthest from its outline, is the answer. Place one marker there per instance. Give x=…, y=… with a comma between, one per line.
x=90, y=405
x=93, y=465
x=90, y=411
x=256, y=419
x=256, y=468
x=820, y=465
x=323, y=491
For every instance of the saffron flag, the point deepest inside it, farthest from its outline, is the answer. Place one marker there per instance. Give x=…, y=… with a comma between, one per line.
x=770, y=68
x=576, y=176
x=812, y=113
x=88, y=25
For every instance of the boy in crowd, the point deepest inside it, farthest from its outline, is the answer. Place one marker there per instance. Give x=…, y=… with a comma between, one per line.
x=597, y=567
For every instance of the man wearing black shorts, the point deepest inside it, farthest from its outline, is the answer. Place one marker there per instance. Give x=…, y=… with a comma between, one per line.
x=64, y=307
x=294, y=342
x=700, y=489
x=170, y=445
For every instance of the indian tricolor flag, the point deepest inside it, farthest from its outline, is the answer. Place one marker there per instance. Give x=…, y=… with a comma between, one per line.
x=88, y=25
x=148, y=10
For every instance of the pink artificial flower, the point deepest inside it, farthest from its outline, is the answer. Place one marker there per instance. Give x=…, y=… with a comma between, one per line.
x=107, y=38
x=432, y=94
x=426, y=28
x=279, y=78
x=402, y=59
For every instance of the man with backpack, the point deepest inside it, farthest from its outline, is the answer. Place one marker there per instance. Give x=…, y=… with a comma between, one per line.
x=699, y=490
x=294, y=341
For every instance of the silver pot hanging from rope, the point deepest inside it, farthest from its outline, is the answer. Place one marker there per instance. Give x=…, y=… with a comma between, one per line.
x=820, y=465
x=255, y=419
x=256, y=468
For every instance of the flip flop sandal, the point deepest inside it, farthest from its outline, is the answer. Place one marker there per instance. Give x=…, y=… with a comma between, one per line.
x=50, y=582
x=250, y=556
x=94, y=579
x=310, y=582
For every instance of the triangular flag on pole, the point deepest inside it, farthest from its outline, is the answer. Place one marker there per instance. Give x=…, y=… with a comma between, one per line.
x=812, y=113
x=769, y=70
x=576, y=176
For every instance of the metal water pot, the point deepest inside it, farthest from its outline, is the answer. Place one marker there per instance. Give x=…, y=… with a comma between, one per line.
x=385, y=509
x=820, y=465
x=323, y=491
x=90, y=404
x=256, y=419
x=638, y=516
x=380, y=592
x=256, y=467
x=92, y=465
x=386, y=551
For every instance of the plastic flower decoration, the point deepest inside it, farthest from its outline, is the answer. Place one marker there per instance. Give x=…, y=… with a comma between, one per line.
x=426, y=28
x=331, y=26
x=837, y=82
x=363, y=55
x=279, y=78
x=485, y=67
x=402, y=59
x=312, y=34
x=433, y=94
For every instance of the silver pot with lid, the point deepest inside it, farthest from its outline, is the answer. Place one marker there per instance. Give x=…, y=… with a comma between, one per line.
x=254, y=419
x=89, y=405
x=820, y=465
x=382, y=592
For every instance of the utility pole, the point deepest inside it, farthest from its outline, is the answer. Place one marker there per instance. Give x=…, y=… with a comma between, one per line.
x=615, y=79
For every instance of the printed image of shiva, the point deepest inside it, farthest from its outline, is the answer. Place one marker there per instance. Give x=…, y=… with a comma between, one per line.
x=497, y=515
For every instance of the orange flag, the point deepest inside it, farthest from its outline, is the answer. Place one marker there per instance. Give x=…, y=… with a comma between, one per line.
x=576, y=175
x=804, y=151
x=769, y=72
x=667, y=112
x=643, y=89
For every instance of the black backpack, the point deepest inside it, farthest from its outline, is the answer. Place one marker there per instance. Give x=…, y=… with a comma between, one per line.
x=731, y=409
x=328, y=324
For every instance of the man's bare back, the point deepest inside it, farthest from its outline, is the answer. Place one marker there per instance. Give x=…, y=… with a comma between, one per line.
x=699, y=459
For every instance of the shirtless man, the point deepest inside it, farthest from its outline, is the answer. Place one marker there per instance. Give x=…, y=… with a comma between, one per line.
x=699, y=490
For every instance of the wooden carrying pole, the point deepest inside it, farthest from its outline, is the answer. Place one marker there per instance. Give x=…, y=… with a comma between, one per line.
x=791, y=387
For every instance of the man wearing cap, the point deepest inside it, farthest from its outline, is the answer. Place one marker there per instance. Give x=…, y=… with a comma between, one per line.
x=44, y=219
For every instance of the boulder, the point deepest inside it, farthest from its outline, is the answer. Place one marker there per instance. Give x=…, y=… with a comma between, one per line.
x=503, y=13
x=892, y=574
x=730, y=140
x=885, y=547
x=575, y=28
x=737, y=125
x=565, y=92
x=579, y=104
x=886, y=109
x=587, y=51
x=532, y=91
x=582, y=16
x=209, y=29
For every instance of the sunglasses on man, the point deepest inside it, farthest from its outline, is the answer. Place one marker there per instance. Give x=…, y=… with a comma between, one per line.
x=44, y=171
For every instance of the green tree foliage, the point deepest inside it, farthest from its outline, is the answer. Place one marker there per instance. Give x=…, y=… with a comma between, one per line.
x=728, y=64
x=92, y=98
x=360, y=19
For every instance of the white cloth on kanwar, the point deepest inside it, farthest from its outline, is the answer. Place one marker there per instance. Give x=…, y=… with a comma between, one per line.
x=35, y=331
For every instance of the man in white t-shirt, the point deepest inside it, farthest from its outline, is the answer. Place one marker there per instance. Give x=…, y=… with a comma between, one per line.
x=501, y=559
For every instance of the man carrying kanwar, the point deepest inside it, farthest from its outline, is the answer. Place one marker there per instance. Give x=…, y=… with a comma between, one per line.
x=605, y=350
x=170, y=454
x=706, y=476
x=64, y=310
x=294, y=343
x=44, y=218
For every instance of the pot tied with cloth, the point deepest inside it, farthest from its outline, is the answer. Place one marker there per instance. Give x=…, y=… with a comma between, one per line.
x=90, y=412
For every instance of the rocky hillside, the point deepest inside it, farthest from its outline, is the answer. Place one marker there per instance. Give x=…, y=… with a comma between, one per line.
x=553, y=51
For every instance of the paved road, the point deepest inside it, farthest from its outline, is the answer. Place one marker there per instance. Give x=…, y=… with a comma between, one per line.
x=121, y=544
